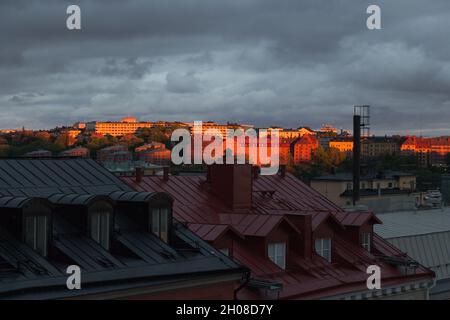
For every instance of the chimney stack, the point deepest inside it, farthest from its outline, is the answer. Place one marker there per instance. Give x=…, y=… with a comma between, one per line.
x=356, y=157
x=139, y=173
x=233, y=183
x=166, y=173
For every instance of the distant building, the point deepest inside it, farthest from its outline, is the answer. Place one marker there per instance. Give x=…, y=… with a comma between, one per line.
x=72, y=133
x=79, y=125
x=445, y=188
x=324, y=141
x=78, y=152
x=160, y=156
x=440, y=151
x=214, y=128
x=128, y=125
x=386, y=191
x=117, y=153
x=343, y=144
x=430, y=151
x=38, y=154
x=150, y=146
x=373, y=147
x=284, y=149
x=303, y=148
x=291, y=133
x=326, y=128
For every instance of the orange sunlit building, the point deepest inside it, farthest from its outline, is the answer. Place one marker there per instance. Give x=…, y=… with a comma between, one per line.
x=303, y=148
x=430, y=151
x=344, y=145
x=291, y=133
x=248, y=147
x=128, y=125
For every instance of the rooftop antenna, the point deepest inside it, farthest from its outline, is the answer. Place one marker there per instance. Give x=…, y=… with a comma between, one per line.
x=364, y=112
x=361, y=123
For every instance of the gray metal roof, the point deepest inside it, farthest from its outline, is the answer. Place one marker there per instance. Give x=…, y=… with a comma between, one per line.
x=424, y=235
x=76, y=199
x=407, y=223
x=44, y=177
x=431, y=250
x=14, y=202
x=134, y=196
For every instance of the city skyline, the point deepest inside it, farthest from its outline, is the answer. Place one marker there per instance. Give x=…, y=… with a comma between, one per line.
x=290, y=64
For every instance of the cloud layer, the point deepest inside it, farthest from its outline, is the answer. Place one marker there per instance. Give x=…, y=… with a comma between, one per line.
x=266, y=62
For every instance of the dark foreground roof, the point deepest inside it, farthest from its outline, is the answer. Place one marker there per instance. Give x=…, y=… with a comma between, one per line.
x=148, y=260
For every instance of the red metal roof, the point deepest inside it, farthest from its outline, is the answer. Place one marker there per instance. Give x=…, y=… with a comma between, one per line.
x=275, y=199
x=356, y=218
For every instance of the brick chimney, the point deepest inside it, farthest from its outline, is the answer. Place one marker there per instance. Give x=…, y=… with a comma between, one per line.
x=139, y=173
x=232, y=183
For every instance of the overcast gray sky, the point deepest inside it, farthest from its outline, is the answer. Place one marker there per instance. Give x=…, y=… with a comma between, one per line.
x=265, y=62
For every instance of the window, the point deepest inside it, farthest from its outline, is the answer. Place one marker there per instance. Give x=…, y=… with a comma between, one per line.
x=100, y=228
x=277, y=253
x=323, y=248
x=159, y=223
x=36, y=233
x=225, y=251
x=349, y=186
x=365, y=238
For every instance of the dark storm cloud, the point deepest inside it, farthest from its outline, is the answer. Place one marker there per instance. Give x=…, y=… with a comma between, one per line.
x=267, y=62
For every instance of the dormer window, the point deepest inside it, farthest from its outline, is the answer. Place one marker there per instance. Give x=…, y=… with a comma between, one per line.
x=36, y=233
x=277, y=253
x=365, y=240
x=323, y=248
x=100, y=226
x=159, y=223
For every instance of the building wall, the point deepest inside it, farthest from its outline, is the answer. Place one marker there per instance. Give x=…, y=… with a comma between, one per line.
x=304, y=148
x=331, y=189
x=376, y=148
x=216, y=291
x=389, y=203
x=120, y=128
x=445, y=188
x=158, y=156
x=342, y=146
x=421, y=294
